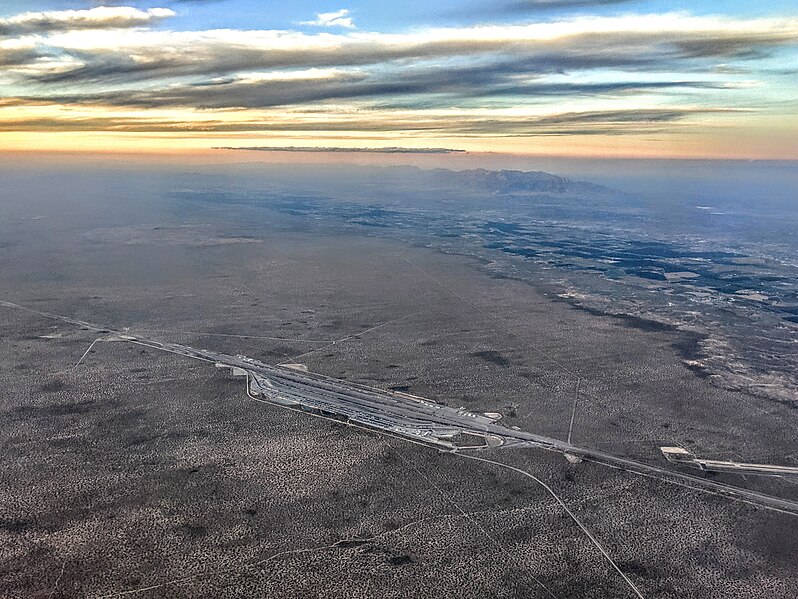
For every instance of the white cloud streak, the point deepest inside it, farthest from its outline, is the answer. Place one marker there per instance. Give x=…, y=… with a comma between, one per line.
x=339, y=18
x=102, y=17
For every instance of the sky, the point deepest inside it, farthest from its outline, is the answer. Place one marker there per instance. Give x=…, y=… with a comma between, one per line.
x=581, y=78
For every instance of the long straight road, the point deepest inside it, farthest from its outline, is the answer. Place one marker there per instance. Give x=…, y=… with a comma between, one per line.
x=414, y=418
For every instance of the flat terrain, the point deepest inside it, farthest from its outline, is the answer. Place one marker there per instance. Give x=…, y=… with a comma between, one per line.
x=139, y=473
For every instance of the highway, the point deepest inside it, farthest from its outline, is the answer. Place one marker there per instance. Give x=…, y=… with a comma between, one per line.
x=413, y=418
x=679, y=455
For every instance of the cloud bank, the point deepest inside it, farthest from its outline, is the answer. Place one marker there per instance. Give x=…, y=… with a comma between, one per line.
x=114, y=69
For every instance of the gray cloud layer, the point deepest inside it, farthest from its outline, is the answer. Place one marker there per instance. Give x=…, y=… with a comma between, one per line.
x=502, y=77
x=377, y=76
x=638, y=50
x=610, y=122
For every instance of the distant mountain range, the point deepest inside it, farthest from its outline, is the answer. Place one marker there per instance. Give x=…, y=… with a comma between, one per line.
x=509, y=182
x=396, y=179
